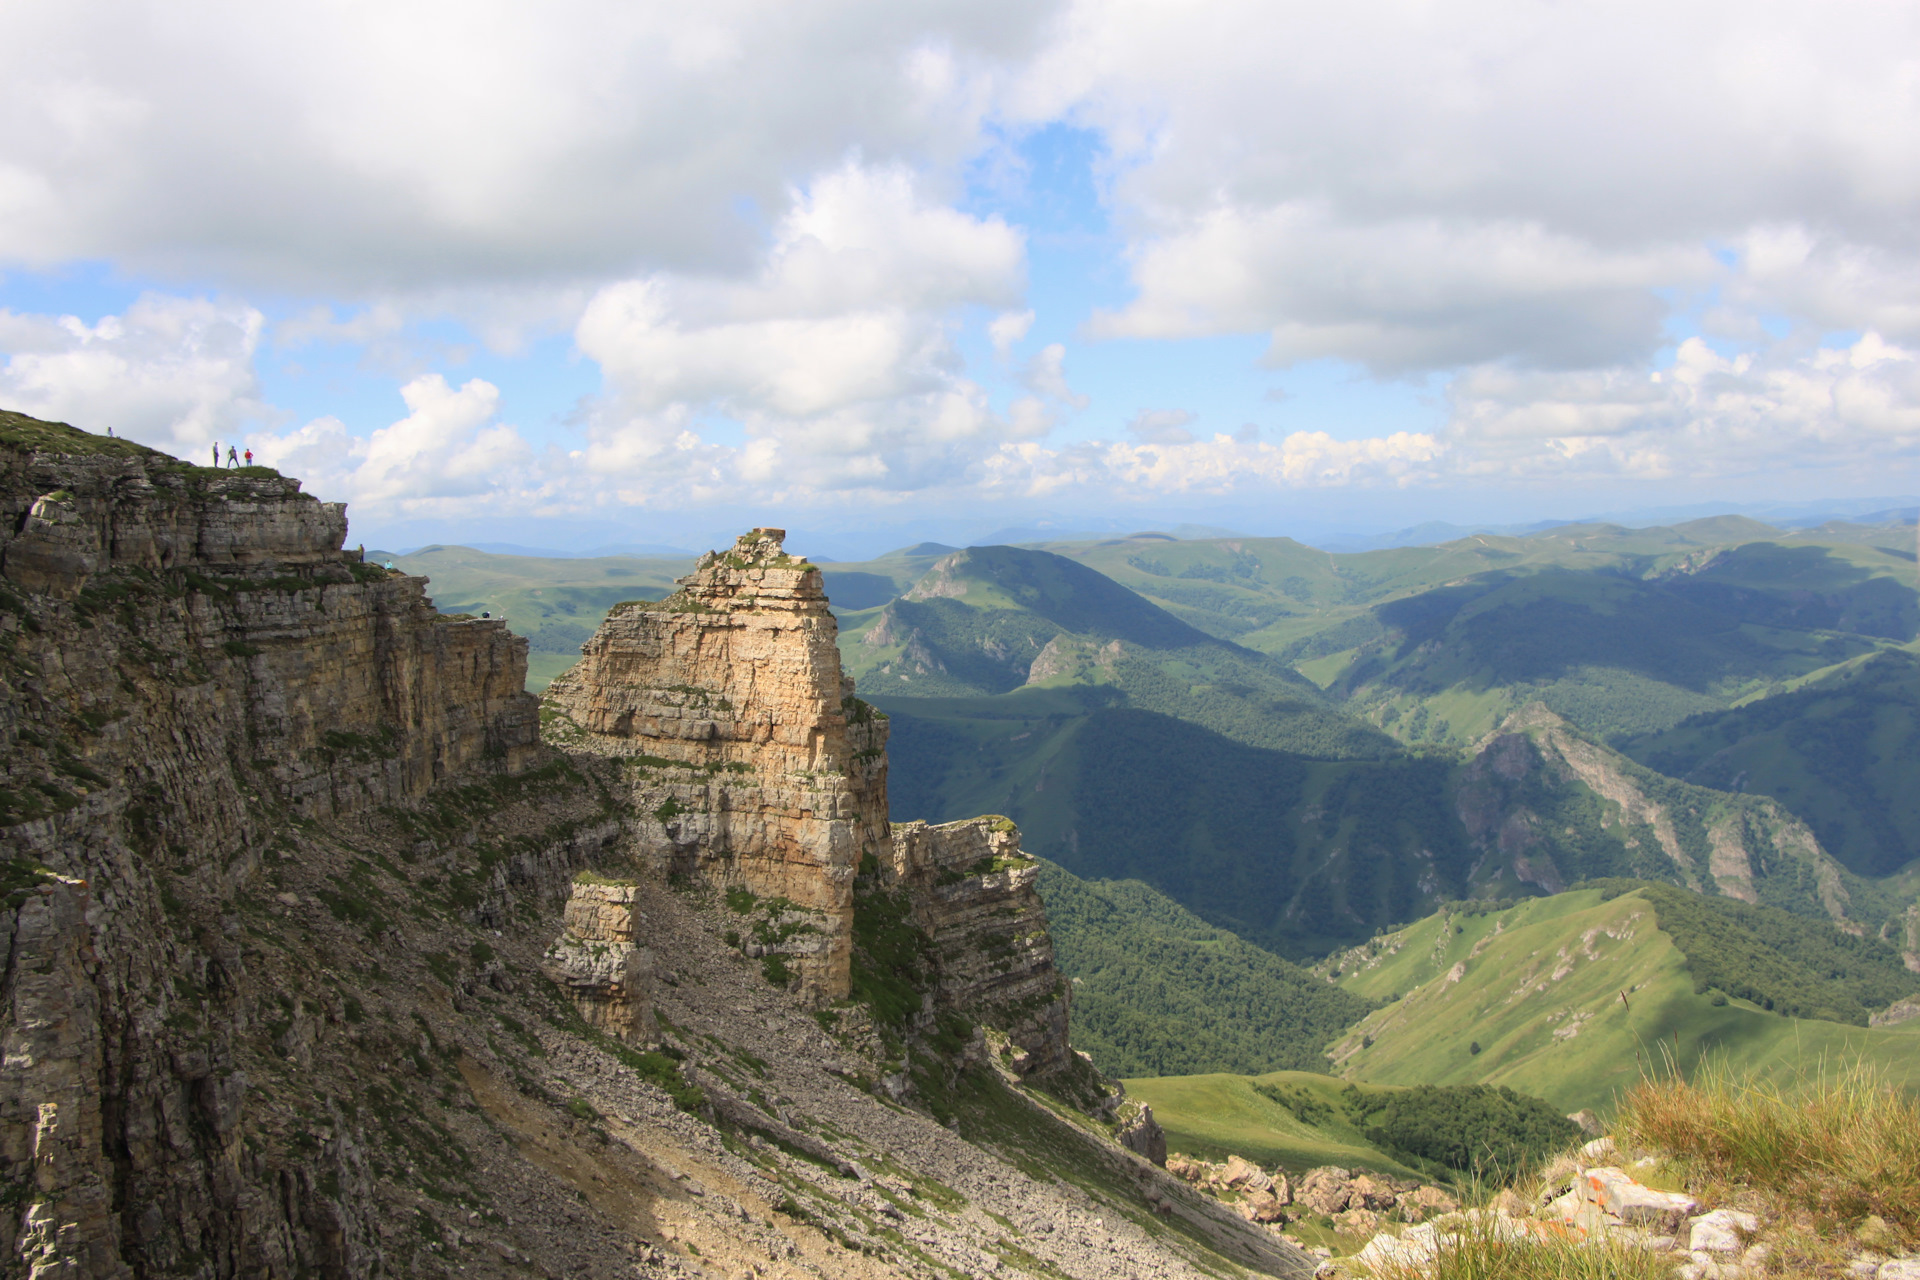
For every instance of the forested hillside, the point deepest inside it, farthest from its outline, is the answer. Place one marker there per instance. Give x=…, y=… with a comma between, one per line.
x=1839, y=750
x=1159, y=992
x=1572, y=997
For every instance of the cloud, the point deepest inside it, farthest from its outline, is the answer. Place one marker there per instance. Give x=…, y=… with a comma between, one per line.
x=1223, y=465
x=1427, y=187
x=1404, y=295
x=425, y=144
x=1834, y=410
x=1007, y=329
x=1161, y=426
x=172, y=373
x=836, y=358
x=447, y=455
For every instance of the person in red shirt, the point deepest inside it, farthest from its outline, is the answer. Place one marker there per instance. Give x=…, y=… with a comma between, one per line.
x=249, y=457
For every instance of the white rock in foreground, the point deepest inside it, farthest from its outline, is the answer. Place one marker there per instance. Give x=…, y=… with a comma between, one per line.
x=1721, y=1231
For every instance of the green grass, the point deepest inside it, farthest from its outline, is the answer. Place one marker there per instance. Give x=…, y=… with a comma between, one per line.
x=1841, y=1141
x=1480, y=1249
x=1565, y=961
x=1216, y=1115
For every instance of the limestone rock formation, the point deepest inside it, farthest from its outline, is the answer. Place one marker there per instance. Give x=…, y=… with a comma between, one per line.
x=726, y=705
x=972, y=892
x=763, y=774
x=282, y=864
x=190, y=669
x=1143, y=1136
x=597, y=961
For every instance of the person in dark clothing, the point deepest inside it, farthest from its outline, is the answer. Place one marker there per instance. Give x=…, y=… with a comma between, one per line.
x=233, y=456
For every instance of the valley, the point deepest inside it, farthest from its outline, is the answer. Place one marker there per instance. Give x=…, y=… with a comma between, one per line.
x=903, y=917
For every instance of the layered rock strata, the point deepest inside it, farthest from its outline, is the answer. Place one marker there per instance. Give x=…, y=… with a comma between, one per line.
x=742, y=742
x=597, y=961
x=971, y=890
x=192, y=673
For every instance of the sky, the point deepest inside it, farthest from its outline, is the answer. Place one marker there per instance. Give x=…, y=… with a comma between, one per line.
x=613, y=272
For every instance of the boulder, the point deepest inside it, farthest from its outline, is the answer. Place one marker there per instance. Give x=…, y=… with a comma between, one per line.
x=1899, y=1269
x=1187, y=1168
x=1600, y=1148
x=1262, y=1206
x=1589, y=1123
x=1721, y=1231
x=1425, y=1202
x=1243, y=1174
x=1399, y=1255
x=1370, y=1193
x=1634, y=1204
x=1326, y=1189
x=1358, y=1223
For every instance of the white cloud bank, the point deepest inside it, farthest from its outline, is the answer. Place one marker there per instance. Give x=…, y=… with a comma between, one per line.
x=428, y=144
x=750, y=216
x=174, y=373
x=1420, y=187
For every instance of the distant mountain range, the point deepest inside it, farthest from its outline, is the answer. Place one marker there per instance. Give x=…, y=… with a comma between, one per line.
x=1303, y=746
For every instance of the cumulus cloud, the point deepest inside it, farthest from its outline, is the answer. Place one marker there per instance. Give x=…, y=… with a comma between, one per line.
x=1007, y=329
x=426, y=143
x=447, y=452
x=1833, y=410
x=837, y=358
x=172, y=373
x=1425, y=187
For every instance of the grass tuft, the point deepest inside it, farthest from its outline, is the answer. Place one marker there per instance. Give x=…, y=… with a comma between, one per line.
x=1484, y=1248
x=1840, y=1145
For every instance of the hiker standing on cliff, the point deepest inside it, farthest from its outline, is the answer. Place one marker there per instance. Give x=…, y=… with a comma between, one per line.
x=249, y=457
x=216, y=453
x=233, y=456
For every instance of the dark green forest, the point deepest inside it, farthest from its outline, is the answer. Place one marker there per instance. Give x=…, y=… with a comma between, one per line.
x=1158, y=991
x=1785, y=963
x=1473, y=1128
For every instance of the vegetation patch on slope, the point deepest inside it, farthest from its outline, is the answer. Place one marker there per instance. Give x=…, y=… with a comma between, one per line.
x=1784, y=963
x=1159, y=991
x=1468, y=1128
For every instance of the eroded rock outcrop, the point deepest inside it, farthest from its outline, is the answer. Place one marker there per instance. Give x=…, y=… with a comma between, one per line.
x=763, y=774
x=726, y=705
x=597, y=961
x=192, y=673
x=971, y=890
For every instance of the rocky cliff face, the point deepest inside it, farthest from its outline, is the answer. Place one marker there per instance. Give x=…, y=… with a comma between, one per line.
x=302, y=977
x=725, y=706
x=1548, y=807
x=192, y=672
x=971, y=891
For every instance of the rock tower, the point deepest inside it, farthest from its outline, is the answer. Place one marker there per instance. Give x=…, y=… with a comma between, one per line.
x=742, y=742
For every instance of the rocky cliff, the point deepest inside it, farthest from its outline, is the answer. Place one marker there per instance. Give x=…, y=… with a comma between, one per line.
x=192, y=673
x=726, y=707
x=971, y=891
x=1548, y=807
x=318, y=962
